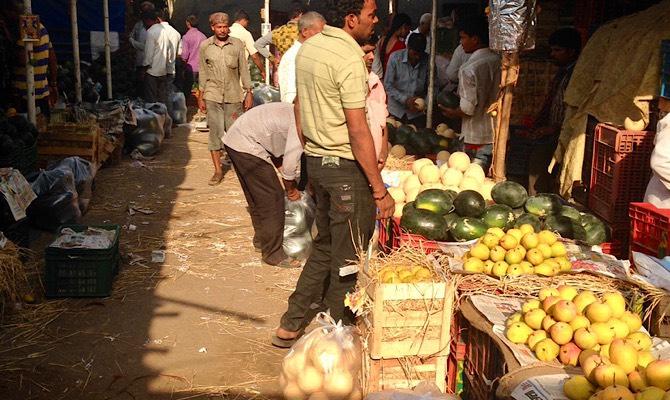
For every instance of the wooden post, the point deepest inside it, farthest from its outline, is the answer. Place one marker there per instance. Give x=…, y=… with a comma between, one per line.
x=108, y=48
x=75, y=51
x=431, y=65
x=503, y=108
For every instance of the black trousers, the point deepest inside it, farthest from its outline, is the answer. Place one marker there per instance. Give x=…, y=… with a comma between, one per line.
x=265, y=198
x=345, y=218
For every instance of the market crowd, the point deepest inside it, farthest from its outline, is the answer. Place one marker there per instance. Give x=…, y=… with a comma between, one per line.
x=338, y=84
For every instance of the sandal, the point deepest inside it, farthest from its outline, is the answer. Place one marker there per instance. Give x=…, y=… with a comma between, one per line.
x=215, y=179
x=285, y=343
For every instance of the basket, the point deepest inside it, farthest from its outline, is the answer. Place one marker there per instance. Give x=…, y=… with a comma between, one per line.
x=660, y=318
x=650, y=227
x=81, y=272
x=620, y=171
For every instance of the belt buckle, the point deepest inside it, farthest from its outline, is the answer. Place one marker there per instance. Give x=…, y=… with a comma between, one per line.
x=330, y=161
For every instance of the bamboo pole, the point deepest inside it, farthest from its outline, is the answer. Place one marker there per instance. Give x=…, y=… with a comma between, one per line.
x=503, y=109
x=265, y=28
x=431, y=65
x=30, y=71
x=108, y=49
x=75, y=51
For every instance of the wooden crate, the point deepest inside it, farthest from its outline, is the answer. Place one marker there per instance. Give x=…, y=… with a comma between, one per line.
x=408, y=319
x=69, y=139
x=402, y=373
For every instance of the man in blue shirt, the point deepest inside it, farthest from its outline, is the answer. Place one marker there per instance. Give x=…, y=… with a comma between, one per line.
x=406, y=79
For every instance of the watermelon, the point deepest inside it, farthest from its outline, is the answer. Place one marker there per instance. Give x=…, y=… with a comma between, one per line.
x=542, y=205
x=434, y=200
x=420, y=142
x=428, y=224
x=560, y=224
x=451, y=193
x=529, y=219
x=571, y=213
x=596, y=232
x=403, y=134
x=469, y=203
x=451, y=219
x=448, y=99
x=509, y=193
x=392, y=132
x=498, y=216
x=466, y=229
x=518, y=211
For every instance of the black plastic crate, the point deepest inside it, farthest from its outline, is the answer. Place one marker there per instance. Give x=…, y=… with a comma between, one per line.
x=82, y=272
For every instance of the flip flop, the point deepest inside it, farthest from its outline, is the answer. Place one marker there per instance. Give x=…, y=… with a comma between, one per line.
x=286, y=343
x=215, y=179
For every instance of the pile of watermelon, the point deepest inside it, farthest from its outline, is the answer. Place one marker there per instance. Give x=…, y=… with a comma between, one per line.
x=444, y=215
x=410, y=140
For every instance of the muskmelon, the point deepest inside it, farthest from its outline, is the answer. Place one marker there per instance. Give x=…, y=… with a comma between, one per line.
x=420, y=163
x=429, y=173
x=398, y=151
x=397, y=193
x=469, y=183
x=412, y=182
x=476, y=172
x=459, y=161
x=443, y=156
x=452, y=177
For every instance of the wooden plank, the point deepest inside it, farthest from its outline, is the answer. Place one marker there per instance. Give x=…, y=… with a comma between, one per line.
x=408, y=319
x=399, y=348
x=66, y=151
x=377, y=329
x=413, y=291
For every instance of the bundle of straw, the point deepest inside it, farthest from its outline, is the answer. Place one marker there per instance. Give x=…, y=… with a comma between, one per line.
x=12, y=273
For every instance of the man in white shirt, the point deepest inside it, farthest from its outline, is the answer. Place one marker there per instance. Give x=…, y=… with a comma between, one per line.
x=309, y=25
x=478, y=84
x=137, y=38
x=424, y=29
x=160, y=55
x=174, y=40
x=239, y=30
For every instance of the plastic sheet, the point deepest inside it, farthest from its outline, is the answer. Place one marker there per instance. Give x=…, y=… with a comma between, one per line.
x=84, y=173
x=512, y=25
x=264, y=94
x=323, y=363
x=423, y=391
x=298, y=220
x=148, y=133
x=177, y=107
x=57, y=201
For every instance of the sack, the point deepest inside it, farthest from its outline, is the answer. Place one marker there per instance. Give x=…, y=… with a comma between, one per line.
x=84, y=173
x=164, y=116
x=57, y=202
x=147, y=134
x=264, y=94
x=178, y=107
x=298, y=220
x=325, y=362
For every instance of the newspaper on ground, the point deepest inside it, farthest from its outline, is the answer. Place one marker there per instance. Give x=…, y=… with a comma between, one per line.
x=17, y=192
x=91, y=238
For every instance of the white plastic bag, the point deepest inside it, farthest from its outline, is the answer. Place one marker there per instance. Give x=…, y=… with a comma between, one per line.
x=423, y=391
x=298, y=219
x=323, y=364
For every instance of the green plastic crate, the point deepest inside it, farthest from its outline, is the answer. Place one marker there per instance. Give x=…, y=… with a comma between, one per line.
x=82, y=272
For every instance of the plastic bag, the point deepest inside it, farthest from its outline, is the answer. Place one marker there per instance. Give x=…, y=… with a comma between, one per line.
x=162, y=111
x=323, y=363
x=147, y=134
x=298, y=220
x=177, y=107
x=57, y=202
x=264, y=94
x=84, y=173
x=423, y=391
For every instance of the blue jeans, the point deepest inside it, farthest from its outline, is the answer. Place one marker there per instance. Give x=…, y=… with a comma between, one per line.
x=480, y=154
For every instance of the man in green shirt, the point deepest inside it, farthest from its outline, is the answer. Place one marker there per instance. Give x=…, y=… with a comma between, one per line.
x=331, y=79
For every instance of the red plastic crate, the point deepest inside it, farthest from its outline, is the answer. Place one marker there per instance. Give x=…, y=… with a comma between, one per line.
x=393, y=237
x=484, y=363
x=620, y=171
x=650, y=228
x=618, y=244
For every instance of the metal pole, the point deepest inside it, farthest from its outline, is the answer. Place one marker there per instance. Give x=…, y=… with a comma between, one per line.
x=390, y=7
x=30, y=72
x=265, y=28
x=75, y=50
x=108, y=49
x=431, y=76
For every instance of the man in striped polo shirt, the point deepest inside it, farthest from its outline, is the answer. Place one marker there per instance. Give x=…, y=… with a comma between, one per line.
x=46, y=74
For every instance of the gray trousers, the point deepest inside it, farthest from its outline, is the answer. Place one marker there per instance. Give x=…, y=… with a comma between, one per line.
x=156, y=88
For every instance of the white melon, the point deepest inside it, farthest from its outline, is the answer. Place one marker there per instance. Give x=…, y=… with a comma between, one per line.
x=459, y=160
x=452, y=177
x=430, y=173
x=469, y=183
x=397, y=193
x=420, y=163
x=475, y=171
x=411, y=183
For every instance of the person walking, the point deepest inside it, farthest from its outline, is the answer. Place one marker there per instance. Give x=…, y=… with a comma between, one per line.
x=264, y=133
x=190, y=52
x=160, y=56
x=341, y=164
x=223, y=78
x=239, y=30
x=309, y=25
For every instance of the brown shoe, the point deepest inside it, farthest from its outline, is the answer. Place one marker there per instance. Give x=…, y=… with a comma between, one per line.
x=216, y=179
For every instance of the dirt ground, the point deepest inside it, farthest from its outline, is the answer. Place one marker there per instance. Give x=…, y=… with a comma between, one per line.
x=195, y=326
